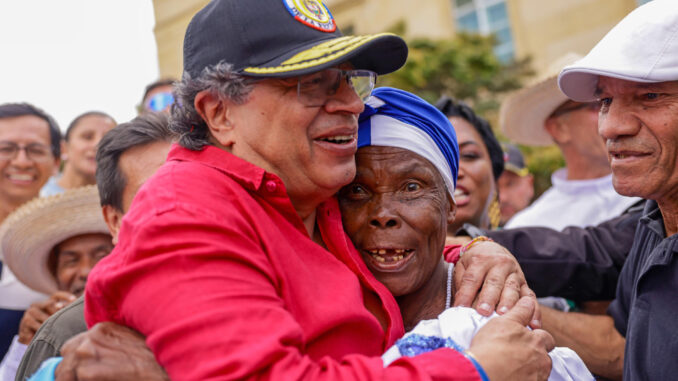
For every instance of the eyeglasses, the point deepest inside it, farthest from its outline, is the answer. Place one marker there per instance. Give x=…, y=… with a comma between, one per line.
x=34, y=151
x=159, y=102
x=593, y=106
x=314, y=89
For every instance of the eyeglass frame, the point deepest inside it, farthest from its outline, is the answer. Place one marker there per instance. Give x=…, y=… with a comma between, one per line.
x=25, y=147
x=331, y=90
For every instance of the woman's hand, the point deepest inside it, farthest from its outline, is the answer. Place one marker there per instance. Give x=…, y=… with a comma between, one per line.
x=489, y=277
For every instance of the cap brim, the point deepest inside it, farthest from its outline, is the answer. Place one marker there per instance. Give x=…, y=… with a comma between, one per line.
x=382, y=53
x=522, y=114
x=580, y=83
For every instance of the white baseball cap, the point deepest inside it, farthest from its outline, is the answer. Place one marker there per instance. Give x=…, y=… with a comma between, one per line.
x=643, y=47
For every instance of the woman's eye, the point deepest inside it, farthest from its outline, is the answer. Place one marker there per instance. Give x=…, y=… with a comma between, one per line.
x=357, y=189
x=469, y=156
x=412, y=187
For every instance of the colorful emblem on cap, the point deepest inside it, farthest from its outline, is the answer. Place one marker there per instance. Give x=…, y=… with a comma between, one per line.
x=312, y=13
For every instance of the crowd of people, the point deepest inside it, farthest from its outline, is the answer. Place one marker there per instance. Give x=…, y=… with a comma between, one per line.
x=273, y=215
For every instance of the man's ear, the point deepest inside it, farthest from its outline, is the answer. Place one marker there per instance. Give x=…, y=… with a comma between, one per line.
x=559, y=131
x=215, y=112
x=113, y=218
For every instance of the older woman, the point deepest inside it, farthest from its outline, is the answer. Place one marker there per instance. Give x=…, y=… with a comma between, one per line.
x=396, y=212
x=481, y=164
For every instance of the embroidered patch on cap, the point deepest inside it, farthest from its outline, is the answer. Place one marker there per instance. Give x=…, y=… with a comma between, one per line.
x=312, y=13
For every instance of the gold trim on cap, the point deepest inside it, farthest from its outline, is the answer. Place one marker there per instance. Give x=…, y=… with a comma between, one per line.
x=318, y=54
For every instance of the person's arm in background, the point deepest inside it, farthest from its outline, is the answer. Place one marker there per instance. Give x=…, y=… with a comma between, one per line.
x=593, y=337
x=575, y=263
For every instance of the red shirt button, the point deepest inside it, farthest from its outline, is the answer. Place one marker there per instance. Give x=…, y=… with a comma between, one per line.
x=271, y=186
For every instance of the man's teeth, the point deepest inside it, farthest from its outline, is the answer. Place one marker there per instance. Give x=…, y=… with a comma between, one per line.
x=21, y=177
x=339, y=139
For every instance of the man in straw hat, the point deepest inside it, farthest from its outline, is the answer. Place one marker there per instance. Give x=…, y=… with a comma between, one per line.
x=51, y=244
x=127, y=156
x=235, y=261
x=582, y=193
x=633, y=71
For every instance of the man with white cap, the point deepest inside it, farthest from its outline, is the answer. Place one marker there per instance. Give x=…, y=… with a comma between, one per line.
x=232, y=260
x=633, y=71
x=582, y=192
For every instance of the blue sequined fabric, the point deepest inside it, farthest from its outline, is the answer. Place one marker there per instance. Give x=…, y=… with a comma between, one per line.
x=416, y=344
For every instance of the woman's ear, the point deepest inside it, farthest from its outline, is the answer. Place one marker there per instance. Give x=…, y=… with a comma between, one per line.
x=215, y=112
x=452, y=213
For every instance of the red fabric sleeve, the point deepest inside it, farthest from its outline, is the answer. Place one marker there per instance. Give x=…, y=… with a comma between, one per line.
x=211, y=314
x=451, y=253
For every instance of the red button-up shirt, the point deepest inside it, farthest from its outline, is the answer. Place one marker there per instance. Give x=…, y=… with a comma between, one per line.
x=217, y=270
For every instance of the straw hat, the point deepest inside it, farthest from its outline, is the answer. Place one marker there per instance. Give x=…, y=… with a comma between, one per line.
x=29, y=234
x=523, y=113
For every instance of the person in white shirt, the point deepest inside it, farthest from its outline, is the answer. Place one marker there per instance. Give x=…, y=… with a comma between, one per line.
x=582, y=192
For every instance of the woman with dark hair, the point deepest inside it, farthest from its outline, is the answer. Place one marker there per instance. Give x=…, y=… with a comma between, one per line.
x=79, y=152
x=480, y=165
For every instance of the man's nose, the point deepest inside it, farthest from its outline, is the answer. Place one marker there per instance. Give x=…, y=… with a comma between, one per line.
x=345, y=99
x=617, y=120
x=21, y=159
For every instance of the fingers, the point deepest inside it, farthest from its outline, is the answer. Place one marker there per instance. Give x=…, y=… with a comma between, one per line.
x=510, y=294
x=492, y=289
x=467, y=283
x=536, y=316
x=62, y=298
x=65, y=371
x=522, y=312
x=545, y=339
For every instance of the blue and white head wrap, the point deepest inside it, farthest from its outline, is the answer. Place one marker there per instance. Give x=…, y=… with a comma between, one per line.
x=396, y=118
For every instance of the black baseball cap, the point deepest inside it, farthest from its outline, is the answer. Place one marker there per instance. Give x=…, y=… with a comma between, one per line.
x=282, y=38
x=514, y=160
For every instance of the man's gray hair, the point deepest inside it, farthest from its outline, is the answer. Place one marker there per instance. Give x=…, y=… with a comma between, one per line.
x=222, y=81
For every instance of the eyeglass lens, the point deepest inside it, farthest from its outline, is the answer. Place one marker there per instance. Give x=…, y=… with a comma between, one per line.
x=313, y=89
x=35, y=152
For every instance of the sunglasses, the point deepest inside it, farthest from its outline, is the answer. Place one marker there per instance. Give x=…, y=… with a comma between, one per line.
x=313, y=90
x=159, y=102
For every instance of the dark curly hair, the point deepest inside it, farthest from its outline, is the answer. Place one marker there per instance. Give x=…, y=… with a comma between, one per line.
x=451, y=107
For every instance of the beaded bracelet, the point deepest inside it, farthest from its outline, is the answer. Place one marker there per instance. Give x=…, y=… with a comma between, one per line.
x=473, y=242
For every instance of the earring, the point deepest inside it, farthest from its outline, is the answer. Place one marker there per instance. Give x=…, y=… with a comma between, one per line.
x=494, y=212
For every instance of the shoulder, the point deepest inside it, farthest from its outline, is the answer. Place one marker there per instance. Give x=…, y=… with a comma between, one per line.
x=63, y=325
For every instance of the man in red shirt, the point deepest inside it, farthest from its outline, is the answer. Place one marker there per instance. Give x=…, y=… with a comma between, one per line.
x=232, y=260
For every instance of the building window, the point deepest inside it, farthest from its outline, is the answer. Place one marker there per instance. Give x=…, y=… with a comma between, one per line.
x=487, y=17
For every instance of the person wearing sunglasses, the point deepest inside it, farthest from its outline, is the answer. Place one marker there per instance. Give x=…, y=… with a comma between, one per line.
x=157, y=97
x=581, y=193
x=232, y=260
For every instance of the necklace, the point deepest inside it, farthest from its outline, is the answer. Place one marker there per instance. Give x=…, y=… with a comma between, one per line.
x=448, y=295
